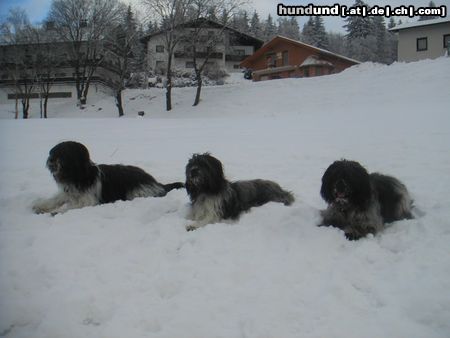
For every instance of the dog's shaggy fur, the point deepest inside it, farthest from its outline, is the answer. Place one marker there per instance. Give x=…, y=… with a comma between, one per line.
x=213, y=198
x=361, y=203
x=83, y=183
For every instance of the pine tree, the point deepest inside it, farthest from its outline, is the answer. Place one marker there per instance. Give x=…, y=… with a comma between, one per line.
x=289, y=28
x=422, y=18
x=255, y=26
x=358, y=26
x=294, y=28
x=308, y=32
x=391, y=23
x=240, y=22
x=379, y=31
x=321, y=40
x=270, y=29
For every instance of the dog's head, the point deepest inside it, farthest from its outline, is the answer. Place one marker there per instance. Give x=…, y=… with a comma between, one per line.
x=204, y=174
x=69, y=163
x=346, y=185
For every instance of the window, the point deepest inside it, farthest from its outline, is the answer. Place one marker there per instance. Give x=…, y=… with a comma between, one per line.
x=306, y=72
x=446, y=41
x=240, y=52
x=236, y=67
x=422, y=44
x=318, y=71
x=271, y=60
x=285, y=58
x=159, y=49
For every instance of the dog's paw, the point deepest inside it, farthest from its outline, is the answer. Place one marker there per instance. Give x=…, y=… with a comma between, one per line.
x=38, y=209
x=191, y=227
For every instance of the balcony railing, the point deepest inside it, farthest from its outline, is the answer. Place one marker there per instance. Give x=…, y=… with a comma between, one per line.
x=199, y=55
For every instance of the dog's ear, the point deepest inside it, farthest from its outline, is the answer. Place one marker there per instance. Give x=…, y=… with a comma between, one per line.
x=359, y=181
x=214, y=165
x=328, y=178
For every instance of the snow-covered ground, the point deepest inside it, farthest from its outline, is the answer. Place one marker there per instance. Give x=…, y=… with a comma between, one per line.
x=130, y=269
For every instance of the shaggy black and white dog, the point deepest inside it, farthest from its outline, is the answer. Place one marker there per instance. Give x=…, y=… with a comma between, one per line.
x=214, y=198
x=83, y=183
x=361, y=203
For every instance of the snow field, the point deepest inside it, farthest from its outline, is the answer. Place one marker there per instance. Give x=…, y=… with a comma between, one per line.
x=129, y=269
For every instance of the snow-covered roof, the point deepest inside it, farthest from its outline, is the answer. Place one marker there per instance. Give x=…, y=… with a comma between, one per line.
x=420, y=23
x=314, y=61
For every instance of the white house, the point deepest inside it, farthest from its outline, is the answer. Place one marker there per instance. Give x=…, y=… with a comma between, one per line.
x=427, y=39
x=18, y=69
x=233, y=47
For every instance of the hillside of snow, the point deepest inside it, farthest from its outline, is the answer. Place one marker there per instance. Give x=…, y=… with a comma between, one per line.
x=130, y=269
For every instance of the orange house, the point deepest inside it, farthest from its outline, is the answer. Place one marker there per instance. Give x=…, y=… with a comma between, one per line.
x=283, y=57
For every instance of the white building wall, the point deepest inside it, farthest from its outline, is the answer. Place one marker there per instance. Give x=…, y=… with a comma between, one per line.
x=156, y=59
x=407, y=42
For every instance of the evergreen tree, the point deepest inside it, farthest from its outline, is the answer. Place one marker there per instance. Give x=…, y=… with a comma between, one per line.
x=255, y=26
x=294, y=28
x=358, y=26
x=289, y=28
x=336, y=43
x=422, y=18
x=270, y=29
x=240, y=22
x=391, y=23
x=308, y=33
x=320, y=35
x=379, y=31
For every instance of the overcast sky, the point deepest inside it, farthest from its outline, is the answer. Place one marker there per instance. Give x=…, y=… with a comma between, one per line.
x=37, y=9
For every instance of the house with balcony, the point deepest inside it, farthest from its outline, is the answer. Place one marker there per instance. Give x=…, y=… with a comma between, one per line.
x=283, y=57
x=229, y=49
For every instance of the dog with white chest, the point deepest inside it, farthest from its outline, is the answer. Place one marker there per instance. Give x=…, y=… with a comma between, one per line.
x=214, y=198
x=83, y=183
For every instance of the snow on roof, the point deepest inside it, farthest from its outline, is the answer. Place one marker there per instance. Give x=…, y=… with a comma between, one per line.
x=420, y=23
x=314, y=61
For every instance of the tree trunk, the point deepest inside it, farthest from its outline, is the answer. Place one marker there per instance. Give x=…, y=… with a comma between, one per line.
x=25, y=107
x=119, y=102
x=16, y=114
x=45, y=106
x=169, y=84
x=40, y=105
x=199, y=89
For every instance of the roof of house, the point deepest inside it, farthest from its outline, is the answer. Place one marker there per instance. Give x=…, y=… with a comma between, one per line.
x=265, y=48
x=207, y=23
x=414, y=24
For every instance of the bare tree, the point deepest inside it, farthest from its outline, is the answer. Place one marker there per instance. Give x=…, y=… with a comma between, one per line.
x=171, y=14
x=84, y=24
x=205, y=37
x=16, y=58
x=125, y=49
